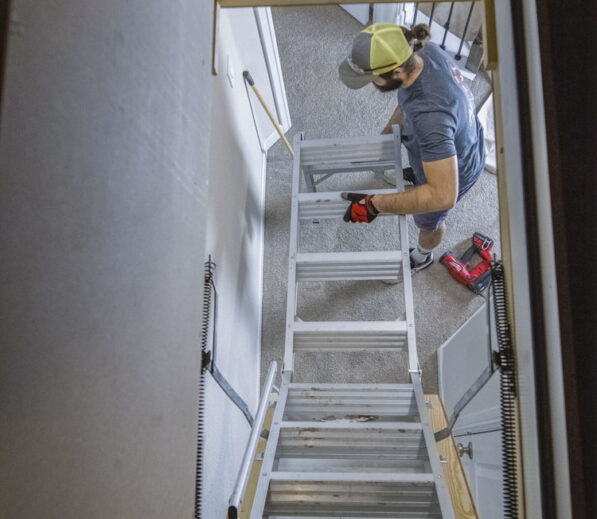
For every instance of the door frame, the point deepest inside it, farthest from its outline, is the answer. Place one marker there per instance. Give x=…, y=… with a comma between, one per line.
x=269, y=44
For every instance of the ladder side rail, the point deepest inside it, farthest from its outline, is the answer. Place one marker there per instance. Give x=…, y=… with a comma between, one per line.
x=413, y=359
x=441, y=486
x=251, y=448
x=347, y=141
x=270, y=450
x=291, y=295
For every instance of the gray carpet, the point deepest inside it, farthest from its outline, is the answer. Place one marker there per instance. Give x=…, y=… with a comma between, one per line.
x=312, y=41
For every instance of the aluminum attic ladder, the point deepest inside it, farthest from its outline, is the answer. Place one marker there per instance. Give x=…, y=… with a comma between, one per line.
x=320, y=460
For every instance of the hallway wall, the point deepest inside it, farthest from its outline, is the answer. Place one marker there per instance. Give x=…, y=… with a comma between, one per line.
x=105, y=136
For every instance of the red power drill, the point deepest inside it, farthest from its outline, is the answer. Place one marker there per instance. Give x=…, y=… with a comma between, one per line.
x=478, y=278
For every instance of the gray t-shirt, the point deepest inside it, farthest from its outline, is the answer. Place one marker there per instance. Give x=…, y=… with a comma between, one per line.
x=440, y=119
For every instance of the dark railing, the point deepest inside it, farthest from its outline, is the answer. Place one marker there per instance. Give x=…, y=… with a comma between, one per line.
x=447, y=26
x=468, y=20
x=431, y=14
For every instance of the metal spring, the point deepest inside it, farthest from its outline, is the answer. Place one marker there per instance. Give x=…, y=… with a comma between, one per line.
x=207, y=298
x=198, y=469
x=508, y=392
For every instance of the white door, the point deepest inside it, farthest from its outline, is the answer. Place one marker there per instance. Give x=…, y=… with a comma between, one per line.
x=460, y=361
x=359, y=11
x=484, y=472
x=392, y=13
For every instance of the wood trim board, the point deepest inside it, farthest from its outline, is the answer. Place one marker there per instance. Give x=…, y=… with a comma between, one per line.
x=490, y=47
x=249, y=495
x=462, y=501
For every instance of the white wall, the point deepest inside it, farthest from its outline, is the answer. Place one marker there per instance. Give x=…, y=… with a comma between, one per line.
x=108, y=114
x=104, y=141
x=235, y=240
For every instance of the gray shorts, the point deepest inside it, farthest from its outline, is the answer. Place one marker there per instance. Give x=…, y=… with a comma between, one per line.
x=430, y=221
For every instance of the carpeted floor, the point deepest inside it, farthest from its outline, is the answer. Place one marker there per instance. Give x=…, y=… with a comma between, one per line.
x=312, y=41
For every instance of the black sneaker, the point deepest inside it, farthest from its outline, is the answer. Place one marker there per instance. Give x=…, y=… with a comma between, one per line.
x=415, y=267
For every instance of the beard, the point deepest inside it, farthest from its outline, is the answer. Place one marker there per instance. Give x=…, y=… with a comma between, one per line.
x=391, y=84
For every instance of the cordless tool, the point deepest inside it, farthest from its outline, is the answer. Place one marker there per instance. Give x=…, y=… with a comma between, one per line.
x=475, y=278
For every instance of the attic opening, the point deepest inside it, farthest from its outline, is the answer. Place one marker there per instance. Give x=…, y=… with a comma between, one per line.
x=469, y=32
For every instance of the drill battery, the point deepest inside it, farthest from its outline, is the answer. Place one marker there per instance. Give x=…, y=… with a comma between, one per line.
x=475, y=278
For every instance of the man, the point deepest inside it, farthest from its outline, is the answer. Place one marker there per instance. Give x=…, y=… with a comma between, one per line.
x=439, y=128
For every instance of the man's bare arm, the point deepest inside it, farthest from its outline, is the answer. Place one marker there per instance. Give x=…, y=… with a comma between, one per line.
x=396, y=118
x=440, y=192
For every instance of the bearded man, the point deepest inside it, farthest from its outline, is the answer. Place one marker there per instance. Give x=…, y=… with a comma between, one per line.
x=438, y=123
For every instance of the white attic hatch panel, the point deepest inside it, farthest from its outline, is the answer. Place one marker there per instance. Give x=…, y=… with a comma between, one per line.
x=498, y=20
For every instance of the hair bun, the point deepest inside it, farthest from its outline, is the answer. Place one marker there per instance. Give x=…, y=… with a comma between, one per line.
x=421, y=32
x=416, y=35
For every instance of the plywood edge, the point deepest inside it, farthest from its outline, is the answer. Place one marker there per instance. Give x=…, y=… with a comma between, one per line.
x=462, y=500
x=490, y=48
x=251, y=488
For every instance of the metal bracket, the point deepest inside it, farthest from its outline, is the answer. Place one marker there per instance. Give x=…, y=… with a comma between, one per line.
x=208, y=358
x=464, y=400
x=232, y=394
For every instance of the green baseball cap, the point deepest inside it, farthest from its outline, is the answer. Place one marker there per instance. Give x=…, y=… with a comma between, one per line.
x=379, y=48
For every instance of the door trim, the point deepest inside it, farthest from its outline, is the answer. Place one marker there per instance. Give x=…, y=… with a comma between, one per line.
x=269, y=44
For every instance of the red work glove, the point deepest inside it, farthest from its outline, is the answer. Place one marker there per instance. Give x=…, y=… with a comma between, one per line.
x=361, y=209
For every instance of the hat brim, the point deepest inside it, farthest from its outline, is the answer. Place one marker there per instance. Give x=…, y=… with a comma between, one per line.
x=351, y=78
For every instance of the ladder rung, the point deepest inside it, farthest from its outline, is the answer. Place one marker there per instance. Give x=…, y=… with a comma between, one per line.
x=334, y=266
x=293, y=386
x=333, y=168
x=426, y=515
x=313, y=447
x=378, y=396
x=347, y=424
x=348, y=150
x=349, y=335
x=369, y=477
x=316, y=499
x=334, y=410
x=358, y=402
x=329, y=204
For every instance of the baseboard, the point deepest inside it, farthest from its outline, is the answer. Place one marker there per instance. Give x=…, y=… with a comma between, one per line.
x=272, y=139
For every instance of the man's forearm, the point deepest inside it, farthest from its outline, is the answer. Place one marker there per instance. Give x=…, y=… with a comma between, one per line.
x=420, y=199
x=438, y=194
